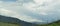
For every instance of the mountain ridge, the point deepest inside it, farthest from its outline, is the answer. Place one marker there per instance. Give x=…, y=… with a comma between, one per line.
x=15, y=20
x=55, y=23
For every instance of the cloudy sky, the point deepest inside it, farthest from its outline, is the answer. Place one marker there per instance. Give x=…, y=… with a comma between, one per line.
x=31, y=10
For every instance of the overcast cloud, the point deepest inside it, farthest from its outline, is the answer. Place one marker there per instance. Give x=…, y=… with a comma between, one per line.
x=32, y=10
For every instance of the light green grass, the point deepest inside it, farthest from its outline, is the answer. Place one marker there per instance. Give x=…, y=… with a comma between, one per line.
x=8, y=24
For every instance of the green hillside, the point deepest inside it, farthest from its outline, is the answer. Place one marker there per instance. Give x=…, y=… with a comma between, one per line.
x=56, y=23
x=10, y=21
x=8, y=24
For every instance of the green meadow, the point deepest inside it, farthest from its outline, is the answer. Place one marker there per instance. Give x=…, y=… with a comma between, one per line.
x=56, y=23
x=8, y=24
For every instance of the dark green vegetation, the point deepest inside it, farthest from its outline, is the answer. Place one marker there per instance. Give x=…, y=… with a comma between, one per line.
x=8, y=24
x=8, y=21
x=56, y=23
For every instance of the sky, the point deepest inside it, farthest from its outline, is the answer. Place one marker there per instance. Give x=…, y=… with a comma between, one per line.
x=31, y=10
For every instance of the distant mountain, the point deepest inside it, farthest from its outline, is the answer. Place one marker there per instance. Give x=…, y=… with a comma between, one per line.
x=23, y=23
x=55, y=23
x=15, y=20
x=39, y=22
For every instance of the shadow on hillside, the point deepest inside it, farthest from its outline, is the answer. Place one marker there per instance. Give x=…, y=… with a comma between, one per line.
x=15, y=21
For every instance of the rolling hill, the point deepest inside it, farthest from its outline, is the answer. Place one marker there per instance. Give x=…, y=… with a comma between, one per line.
x=15, y=21
x=55, y=23
x=10, y=21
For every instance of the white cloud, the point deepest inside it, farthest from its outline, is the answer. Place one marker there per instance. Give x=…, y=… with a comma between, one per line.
x=16, y=15
x=28, y=11
x=45, y=8
x=11, y=9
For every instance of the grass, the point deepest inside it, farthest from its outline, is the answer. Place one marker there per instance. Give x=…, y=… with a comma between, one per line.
x=8, y=24
x=57, y=23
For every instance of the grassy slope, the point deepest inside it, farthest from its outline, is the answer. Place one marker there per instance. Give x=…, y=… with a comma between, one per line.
x=57, y=23
x=8, y=24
